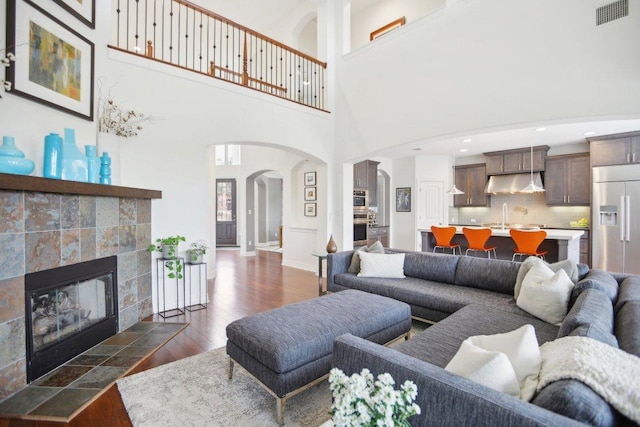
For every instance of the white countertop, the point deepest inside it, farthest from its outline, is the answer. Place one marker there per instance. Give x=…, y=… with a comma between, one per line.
x=552, y=233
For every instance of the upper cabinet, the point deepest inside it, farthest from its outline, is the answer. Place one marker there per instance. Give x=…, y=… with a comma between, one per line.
x=568, y=180
x=471, y=179
x=516, y=161
x=620, y=149
x=365, y=177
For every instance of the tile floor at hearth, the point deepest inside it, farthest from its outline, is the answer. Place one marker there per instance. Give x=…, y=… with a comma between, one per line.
x=63, y=391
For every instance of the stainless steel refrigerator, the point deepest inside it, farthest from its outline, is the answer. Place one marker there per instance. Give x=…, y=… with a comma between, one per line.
x=615, y=222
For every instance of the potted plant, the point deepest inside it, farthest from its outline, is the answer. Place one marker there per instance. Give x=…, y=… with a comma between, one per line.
x=168, y=247
x=196, y=251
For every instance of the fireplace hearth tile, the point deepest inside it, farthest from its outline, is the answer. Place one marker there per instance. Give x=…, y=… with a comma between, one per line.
x=11, y=298
x=27, y=400
x=107, y=350
x=62, y=377
x=13, y=339
x=143, y=237
x=127, y=238
x=99, y=377
x=123, y=338
x=87, y=212
x=12, y=255
x=70, y=250
x=13, y=378
x=122, y=361
x=41, y=211
x=128, y=213
x=106, y=241
x=88, y=360
x=70, y=209
x=144, y=211
x=88, y=244
x=65, y=403
x=37, y=258
x=143, y=327
x=11, y=212
x=107, y=212
x=137, y=350
x=167, y=328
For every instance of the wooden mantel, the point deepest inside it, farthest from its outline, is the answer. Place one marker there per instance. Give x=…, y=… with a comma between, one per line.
x=46, y=185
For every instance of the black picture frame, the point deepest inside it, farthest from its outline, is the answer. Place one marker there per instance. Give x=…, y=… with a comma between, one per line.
x=310, y=194
x=403, y=199
x=309, y=179
x=310, y=209
x=65, y=80
x=85, y=12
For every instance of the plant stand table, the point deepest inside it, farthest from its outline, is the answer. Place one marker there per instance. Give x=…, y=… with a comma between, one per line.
x=321, y=256
x=190, y=267
x=161, y=275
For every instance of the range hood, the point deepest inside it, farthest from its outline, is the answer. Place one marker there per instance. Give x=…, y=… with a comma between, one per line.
x=514, y=183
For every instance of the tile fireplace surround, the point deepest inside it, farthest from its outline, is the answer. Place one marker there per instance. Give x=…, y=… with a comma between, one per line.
x=49, y=223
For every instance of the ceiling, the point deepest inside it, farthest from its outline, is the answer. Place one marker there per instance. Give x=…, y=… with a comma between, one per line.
x=554, y=135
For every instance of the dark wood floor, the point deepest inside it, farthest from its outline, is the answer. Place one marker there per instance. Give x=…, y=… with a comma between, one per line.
x=243, y=286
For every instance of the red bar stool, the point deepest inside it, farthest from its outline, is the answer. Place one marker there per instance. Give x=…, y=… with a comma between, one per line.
x=477, y=238
x=443, y=237
x=527, y=243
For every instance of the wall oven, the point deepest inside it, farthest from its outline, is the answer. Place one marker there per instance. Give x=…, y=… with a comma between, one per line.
x=360, y=233
x=360, y=217
x=360, y=199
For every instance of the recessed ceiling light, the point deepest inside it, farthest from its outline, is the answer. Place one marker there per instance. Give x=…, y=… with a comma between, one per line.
x=589, y=133
x=417, y=149
x=464, y=150
x=466, y=140
x=540, y=129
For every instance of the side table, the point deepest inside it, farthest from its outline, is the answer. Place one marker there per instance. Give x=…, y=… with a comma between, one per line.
x=161, y=264
x=321, y=256
x=200, y=267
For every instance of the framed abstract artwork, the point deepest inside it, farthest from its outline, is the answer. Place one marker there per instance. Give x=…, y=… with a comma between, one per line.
x=53, y=63
x=310, y=194
x=84, y=10
x=309, y=178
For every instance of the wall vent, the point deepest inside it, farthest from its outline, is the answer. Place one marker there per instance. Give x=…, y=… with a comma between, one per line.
x=612, y=11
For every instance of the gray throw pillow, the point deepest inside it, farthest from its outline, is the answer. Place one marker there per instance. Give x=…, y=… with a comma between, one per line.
x=375, y=248
x=567, y=265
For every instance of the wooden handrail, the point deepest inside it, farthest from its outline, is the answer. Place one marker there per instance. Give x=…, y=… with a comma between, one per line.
x=250, y=31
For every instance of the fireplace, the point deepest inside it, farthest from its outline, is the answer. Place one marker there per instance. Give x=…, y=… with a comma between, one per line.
x=69, y=310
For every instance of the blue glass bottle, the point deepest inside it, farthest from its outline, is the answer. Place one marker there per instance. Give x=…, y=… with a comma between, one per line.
x=105, y=169
x=52, y=167
x=93, y=164
x=12, y=159
x=74, y=163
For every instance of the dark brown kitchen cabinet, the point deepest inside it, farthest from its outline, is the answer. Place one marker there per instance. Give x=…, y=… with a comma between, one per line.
x=619, y=149
x=365, y=177
x=516, y=161
x=471, y=179
x=361, y=175
x=568, y=180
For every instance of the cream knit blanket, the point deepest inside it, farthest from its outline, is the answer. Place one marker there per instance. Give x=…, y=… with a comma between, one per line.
x=610, y=372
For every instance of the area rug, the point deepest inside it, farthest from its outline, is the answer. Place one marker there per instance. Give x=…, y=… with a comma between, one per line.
x=196, y=391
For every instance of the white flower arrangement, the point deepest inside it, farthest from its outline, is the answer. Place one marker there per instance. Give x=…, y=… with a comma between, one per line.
x=359, y=400
x=113, y=119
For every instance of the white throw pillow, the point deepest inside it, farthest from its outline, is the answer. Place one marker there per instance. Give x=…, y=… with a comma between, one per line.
x=519, y=348
x=567, y=265
x=381, y=265
x=545, y=294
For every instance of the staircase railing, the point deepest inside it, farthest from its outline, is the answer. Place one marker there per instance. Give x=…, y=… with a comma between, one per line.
x=188, y=36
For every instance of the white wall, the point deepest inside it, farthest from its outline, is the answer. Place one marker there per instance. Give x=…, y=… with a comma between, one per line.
x=367, y=16
x=488, y=64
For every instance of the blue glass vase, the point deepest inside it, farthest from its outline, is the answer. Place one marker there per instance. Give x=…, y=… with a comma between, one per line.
x=105, y=169
x=12, y=159
x=52, y=167
x=74, y=163
x=93, y=164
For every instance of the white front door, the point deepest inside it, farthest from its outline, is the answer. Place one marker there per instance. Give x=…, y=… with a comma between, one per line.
x=430, y=204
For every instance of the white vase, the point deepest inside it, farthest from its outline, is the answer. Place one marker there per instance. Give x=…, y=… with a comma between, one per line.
x=110, y=143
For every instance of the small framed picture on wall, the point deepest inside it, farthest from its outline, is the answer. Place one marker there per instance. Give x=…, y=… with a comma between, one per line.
x=310, y=194
x=310, y=209
x=309, y=178
x=403, y=199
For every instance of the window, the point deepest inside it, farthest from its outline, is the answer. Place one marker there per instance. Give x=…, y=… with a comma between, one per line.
x=227, y=155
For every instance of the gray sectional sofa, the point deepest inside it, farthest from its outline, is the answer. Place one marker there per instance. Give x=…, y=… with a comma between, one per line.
x=470, y=296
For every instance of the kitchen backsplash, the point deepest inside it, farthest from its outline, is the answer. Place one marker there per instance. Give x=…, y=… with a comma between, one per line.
x=522, y=209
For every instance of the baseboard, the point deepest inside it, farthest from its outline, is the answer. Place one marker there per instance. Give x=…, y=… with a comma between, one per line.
x=300, y=265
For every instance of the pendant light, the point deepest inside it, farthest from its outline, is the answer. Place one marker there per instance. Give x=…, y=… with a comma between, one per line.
x=532, y=187
x=454, y=190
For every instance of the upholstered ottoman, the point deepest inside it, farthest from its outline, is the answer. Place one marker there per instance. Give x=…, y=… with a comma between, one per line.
x=288, y=349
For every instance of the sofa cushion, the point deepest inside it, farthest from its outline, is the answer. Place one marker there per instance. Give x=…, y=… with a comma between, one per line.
x=592, y=316
x=567, y=265
x=578, y=401
x=489, y=274
x=629, y=291
x=545, y=294
x=428, y=266
x=440, y=342
x=381, y=265
x=597, y=279
x=627, y=327
x=441, y=297
x=375, y=248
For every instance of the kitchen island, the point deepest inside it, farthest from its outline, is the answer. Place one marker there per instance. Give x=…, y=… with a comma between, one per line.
x=560, y=244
